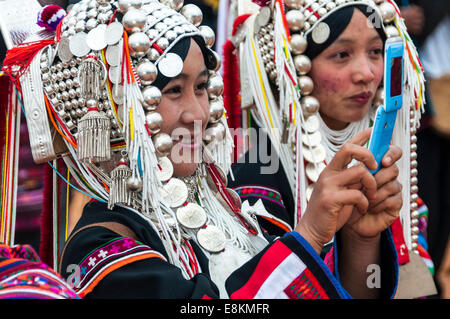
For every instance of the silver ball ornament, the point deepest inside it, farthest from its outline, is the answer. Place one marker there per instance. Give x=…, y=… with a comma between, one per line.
x=134, y=20
x=216, y=110
x=213, y=133
x=208, y=35
x=387, y=12
x=302, y=64
x=193, y=14
x=152, y=97
x=139, y=44
x=298, y=44
x=310, y=104
x=173, y=4
x=215, y=86
x=147, y=73
x=294, y=4
x=163, y=144
x=295, y=20
x=134, y=184
x=391, y=31
x=306, y=84
x=154, y=121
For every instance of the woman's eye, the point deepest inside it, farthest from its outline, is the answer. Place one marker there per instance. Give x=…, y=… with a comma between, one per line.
x=173, y=90
x=202, y=86
x=377, y=51
x=341, y=55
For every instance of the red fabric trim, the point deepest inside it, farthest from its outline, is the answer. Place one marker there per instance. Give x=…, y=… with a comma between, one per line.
x=238, y=21
x=273, y=257
x=399, y=241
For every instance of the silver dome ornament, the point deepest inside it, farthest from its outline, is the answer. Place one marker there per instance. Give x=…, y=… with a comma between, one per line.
x=163, y=144
x=134, y=20
x=310, y=104
x=153, y=121
x=306, y=84
x=193, y=14
x=137, y=4
x=215, y=86
x=153, y=54
x=163, y=43
x=208, y=35
x=387, y=12
x=213, y=133
x=216, y=110
x=134, y=184
x=170, y=35
x=295, y=20
x=103, y=2
x=391, y=31
x=152, y=97
x=298, y=44
x=139, y=44
x=147, y=73
x=302, y=64
x=174, y=4
x=124, y=5
x=294, y=4
x=330, y=5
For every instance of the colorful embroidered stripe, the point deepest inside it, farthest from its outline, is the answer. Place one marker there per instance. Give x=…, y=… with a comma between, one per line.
x=278, y=223
x=306, y=286
x=261, y=192
x=114, y=265
x=269, y=262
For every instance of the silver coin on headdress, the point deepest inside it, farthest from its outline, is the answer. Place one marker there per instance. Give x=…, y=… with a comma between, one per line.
x=191, y=216
x=211, y=238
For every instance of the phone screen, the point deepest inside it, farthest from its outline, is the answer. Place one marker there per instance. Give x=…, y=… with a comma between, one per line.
x=396, y=76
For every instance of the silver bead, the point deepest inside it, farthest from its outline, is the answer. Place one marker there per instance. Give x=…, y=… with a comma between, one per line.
x=414, y=181
x=295, y=20
x=216, y=109
x=413, y=164
x=322, y=11
x=208, y=35
x=154, y=121
x=163, y=144
x=413, y=147
x=134, y=184
x=80, y=26
x=152, y=97
x=173, y=4
x=391, y=31
x=163, y=43
x=215, y=86
x=312, y=19
x=302, y=64
x=124, y=5
x=310, y=104
x=387, y=12
x=294, y=4
x=414, y=213
x=414, y=171
x=215, y=132
x=298, y=44
x=414, y=189
x=139, y=44
x=306, y=85
x=193, y=14
x=147, y=73
x=170, y=35
x=137, y=4
x=134, y=20
x=415, y=230
x=92, y=13
x=153, y=54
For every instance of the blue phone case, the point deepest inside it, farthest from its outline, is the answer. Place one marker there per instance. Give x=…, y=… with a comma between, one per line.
x=381, y=134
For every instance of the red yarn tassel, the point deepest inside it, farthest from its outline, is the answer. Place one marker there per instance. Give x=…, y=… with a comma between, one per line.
x=46, y=244
x=19, y=58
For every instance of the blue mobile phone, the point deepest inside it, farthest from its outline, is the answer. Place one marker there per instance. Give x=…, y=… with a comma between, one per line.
x=387, y=113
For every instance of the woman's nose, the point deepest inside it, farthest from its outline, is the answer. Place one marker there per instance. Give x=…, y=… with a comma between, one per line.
x=363, y=70
x=194, y=109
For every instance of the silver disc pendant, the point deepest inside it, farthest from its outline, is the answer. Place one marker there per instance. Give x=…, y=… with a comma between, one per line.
x=191, y=216
x=165, y=171
x=64, y=53
x=175, y=192
x=78, y=45
x=221, y=174
x=96, y=38
x=212, y=239
x=312, y=139
x=171, y=65
x=316, y=154
x=312, y=124
x=235, y=199
x=112, y=55
x=112, y=74
x=313, y=171
x=113, y=33
x=117, y=94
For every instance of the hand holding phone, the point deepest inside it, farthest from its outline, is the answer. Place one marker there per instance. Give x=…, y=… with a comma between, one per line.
x=386, y=114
